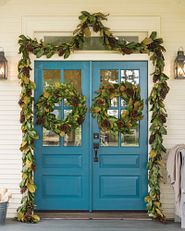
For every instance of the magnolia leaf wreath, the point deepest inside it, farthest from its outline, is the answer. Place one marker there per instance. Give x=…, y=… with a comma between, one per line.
x=54, y=94
x=130, y=115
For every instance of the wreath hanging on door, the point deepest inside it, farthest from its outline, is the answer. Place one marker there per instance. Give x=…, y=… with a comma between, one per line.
x=132, y=110
x=54, y=94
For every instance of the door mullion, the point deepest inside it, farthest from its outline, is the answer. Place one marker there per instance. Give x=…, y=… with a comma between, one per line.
x=91, y=76
x=62, y=107
x=119, y=108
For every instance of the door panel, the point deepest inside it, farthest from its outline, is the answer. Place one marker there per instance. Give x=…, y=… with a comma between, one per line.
x=67, y=177
x=62, y=175
x=120, y=175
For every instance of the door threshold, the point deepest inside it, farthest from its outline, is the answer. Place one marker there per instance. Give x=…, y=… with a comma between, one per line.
x=97, y=215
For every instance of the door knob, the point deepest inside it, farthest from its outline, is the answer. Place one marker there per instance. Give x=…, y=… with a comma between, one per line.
x=96, y=147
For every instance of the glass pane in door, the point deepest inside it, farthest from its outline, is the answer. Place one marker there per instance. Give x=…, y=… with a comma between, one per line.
x=73, y=77
x=51, y=77
x=75, y=137
x=109, y=138
x=110, y=76
x=131, y=139
x=49, y=137
x=131, y=76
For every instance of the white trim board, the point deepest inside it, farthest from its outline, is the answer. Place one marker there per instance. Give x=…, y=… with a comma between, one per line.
x=34, y=24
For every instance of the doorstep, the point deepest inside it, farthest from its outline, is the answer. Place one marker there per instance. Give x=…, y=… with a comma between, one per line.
x=100, y=215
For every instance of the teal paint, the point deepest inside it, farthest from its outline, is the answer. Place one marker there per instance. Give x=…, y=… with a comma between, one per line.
x=67, y=178
x=120, y=176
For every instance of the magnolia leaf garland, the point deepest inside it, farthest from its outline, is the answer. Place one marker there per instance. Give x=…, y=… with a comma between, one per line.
x=27, y=185
x=54, y=94
x=150, y=45
x=130, y=115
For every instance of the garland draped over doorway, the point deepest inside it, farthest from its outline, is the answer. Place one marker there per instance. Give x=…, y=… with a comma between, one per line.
x=150, y=45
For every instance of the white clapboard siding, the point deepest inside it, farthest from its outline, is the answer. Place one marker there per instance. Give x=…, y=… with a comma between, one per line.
x=10, y=139
x=176, y=110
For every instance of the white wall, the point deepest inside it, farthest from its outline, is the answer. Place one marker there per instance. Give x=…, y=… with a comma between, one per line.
x=10, y=139
x=172, y=14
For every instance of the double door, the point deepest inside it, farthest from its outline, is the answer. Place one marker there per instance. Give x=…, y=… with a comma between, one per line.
x=68, y=176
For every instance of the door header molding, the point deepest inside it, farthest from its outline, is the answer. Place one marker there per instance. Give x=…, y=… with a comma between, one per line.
x=35, y=24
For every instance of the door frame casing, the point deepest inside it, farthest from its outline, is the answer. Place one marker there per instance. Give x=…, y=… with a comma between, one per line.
x=147, y=24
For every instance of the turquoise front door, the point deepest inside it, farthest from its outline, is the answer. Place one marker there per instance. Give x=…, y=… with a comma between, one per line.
x=68, y=177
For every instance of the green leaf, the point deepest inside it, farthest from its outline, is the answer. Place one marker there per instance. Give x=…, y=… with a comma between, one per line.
x=101, y=15
x=35, y=218
x=82, y=17
x=39, y=53
x=86, y=13
x=50, y=54
x=87, y=32
x=147, y=41
x=20, y=216
x=31, y=187
x=66, y=54
x=153, y=35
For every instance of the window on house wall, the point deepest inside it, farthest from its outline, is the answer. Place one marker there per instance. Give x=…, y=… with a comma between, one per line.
x=92, y=43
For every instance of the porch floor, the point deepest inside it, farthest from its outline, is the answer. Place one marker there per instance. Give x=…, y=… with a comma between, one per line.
x=91, y=225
